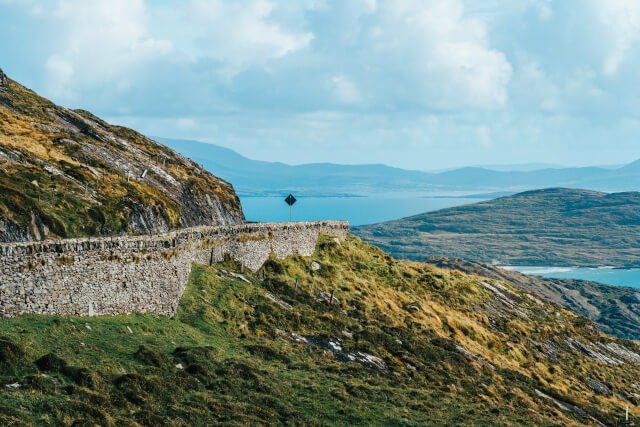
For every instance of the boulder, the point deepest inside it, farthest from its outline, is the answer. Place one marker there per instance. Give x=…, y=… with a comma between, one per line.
x=598, y=387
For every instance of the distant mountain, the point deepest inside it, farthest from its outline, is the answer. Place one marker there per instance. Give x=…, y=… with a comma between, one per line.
x=528, y=167
x=67, y=173
x=521, y=167
x=555, y=226
x=254, y=177
x=259, y=177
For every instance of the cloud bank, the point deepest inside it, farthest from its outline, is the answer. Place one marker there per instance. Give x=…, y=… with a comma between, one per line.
x=415, y=83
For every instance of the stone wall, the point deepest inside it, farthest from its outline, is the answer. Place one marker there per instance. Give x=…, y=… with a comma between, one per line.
x=119, y=275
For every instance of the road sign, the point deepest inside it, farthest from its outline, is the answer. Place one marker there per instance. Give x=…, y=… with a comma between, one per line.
x=290, y=200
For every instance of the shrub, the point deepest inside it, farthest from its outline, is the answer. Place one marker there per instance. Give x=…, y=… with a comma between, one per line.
x=51, y=363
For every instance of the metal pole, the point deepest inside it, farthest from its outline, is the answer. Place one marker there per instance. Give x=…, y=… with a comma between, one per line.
x=289, y=213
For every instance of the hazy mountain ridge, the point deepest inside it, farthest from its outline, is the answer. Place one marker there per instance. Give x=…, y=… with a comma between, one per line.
x=67, y=173
x=260, y=177
x=551, y=227
x=253, y=177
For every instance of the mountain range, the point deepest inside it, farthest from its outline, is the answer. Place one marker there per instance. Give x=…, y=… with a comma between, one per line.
x=253, y=177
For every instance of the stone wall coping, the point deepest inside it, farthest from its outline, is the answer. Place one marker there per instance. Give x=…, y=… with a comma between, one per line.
x=65, y=245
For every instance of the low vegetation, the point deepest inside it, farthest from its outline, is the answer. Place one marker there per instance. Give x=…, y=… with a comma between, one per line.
x=551, y=227
x=347, y=336
x=615, y=309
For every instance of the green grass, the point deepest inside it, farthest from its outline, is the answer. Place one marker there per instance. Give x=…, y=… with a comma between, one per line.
x=238, y=370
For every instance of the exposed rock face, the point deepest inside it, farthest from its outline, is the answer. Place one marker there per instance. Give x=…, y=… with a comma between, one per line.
x=67, y=173
x=195, y=208
x=597, y=386
x=146, y=219
x=12, y=232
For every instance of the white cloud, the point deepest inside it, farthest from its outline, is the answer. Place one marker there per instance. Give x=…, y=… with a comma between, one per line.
x=483, y=137
x=446, y=53
x=620, y=20
x=110, y=42
x=60, y=75
x=185, y=123
x=543, y=7
x=242, y=34
x=100, y=41
x=532, y=89
x=344, y=90
x=427, y=53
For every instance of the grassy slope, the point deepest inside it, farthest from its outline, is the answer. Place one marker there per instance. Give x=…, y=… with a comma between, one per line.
x=31, y=132
x=238, y=369
x=543, y=227
x=616, y=309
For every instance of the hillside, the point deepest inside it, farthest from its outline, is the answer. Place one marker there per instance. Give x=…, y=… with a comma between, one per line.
x=552, y=227
x=401, y=343
x=615, y=309
x=254, y=177
x=67, y=173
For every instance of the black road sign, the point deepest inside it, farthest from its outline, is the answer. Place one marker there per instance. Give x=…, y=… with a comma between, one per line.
x=290, y=200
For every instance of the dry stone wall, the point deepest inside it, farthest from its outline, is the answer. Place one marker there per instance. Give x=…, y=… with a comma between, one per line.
x=119, y=275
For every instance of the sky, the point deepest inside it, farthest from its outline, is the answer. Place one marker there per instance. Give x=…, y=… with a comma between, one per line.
x=419, y=84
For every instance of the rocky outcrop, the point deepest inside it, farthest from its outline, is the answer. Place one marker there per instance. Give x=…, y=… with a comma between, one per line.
x=67, y=173
x=197, y=209
x=12, y=232
x=597, y=386
x=146, y=219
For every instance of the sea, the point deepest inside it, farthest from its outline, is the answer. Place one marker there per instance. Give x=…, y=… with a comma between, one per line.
x=612, y=276
x=358, y=210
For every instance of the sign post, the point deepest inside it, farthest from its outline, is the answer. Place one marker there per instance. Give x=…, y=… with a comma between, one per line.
x=290, y=200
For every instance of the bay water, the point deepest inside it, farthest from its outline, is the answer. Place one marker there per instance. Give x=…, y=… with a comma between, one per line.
x=358, y=210
x=609, y=275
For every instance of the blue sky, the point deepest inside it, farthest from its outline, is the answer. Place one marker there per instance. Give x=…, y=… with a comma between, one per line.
x=422, y=84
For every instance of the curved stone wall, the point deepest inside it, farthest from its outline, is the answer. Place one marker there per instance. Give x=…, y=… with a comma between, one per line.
x=119, y=275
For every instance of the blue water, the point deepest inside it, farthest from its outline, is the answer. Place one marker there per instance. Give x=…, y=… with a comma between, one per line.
x=386, y=207
x=612, y=276
x=356, y=210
